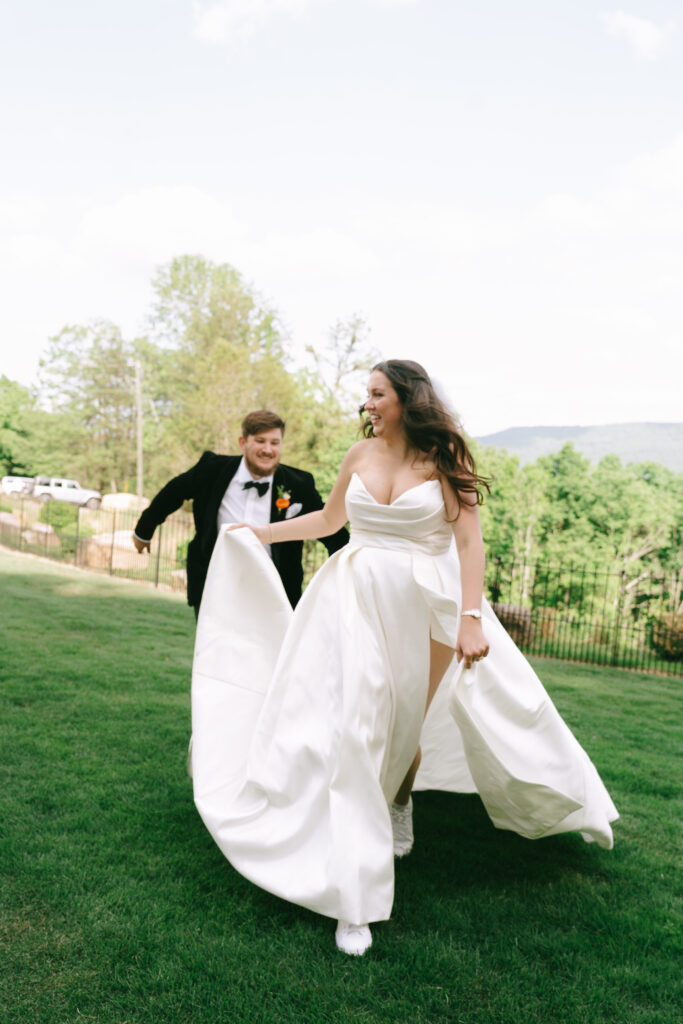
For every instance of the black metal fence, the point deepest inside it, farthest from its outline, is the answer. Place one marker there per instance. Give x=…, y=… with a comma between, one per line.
x=98, y=539
x=591, y=615
x=561, y=611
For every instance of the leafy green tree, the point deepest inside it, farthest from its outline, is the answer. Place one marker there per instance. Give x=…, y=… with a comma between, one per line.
x=634, y=520
x=16, y=407
x=564, y=529
x=342, y=365
x=511, y=516
x=629, y=526
x=226, y=354
x=667, y=485
x=198, y=302
x=619, y=525
x=32, y=440
x=87, y=377
x=337, y=380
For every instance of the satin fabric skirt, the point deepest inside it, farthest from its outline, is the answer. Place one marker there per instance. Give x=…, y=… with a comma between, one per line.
x=305, y=723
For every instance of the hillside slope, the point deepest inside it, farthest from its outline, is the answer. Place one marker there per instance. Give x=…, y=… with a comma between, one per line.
x=632, y=442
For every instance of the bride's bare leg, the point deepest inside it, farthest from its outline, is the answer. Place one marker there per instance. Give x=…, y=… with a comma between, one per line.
x=406, y=787
x=440, y=657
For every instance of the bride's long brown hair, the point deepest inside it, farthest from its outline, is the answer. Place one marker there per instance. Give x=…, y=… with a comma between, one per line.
x=431, y=429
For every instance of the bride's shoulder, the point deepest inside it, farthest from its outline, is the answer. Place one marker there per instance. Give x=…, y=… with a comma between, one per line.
x=349, y=466
x=355, y=453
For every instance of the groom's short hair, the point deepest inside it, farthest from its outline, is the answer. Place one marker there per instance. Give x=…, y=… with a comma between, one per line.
x=262, y=419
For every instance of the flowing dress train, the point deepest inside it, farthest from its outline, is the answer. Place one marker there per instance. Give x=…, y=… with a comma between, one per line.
x=305, y=723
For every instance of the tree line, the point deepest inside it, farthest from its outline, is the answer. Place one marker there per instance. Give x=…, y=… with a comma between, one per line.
x=609, y=518
x=214, y=350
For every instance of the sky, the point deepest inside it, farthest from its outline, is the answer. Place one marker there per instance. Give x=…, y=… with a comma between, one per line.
x=496, y=187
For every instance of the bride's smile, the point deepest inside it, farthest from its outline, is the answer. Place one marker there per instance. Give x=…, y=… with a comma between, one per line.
x=382, y=404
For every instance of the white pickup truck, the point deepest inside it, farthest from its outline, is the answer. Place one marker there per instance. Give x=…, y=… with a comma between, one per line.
x=47, y=487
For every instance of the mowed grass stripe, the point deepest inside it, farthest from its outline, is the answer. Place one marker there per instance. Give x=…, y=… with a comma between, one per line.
x=117, y=906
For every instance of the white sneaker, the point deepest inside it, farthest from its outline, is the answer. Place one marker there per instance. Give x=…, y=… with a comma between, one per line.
x=353, y=939
x=402, y=827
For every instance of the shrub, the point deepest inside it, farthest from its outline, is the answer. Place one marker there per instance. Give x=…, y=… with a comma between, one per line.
x=667, y=636
x=59, y=514
x=64, y=520
x=181, y=553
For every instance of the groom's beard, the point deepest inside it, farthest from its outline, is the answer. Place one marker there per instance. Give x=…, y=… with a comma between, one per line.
x=265, y=469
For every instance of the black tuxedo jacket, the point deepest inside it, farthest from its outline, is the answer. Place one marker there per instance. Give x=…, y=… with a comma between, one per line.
x=206, y=483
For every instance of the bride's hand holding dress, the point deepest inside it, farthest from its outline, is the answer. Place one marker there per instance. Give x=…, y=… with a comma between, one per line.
x=472, y=644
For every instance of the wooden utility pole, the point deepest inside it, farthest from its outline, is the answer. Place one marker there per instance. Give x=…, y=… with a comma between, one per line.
x=138, y=409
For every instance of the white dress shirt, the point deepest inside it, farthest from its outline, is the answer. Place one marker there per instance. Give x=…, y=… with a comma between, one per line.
x=244, y=505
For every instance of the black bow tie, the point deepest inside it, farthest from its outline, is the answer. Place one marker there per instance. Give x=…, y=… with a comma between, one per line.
x=262, y=488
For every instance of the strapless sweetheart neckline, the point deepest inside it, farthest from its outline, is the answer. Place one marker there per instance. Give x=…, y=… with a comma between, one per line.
x=385, y=504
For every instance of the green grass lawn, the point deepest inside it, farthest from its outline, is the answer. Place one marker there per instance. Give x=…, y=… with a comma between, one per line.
x=118, y=908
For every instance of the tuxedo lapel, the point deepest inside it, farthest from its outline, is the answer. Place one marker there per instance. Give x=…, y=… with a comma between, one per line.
x=284, y=485
x=275, y=552
x=217, y=489
x=224, y=477
x=278, y=479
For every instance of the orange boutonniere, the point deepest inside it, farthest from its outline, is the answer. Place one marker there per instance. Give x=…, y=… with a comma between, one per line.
x=283, y=499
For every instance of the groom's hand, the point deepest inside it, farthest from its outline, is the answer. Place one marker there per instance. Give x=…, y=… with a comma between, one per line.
x=140, y=545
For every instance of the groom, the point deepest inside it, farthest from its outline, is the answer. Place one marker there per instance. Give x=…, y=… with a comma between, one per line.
x=228, y=489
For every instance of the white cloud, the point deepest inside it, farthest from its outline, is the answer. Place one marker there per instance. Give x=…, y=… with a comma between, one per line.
x=661, y=170
x=102, y=265
x=148, y=227
x=488, y=300
x=647, y=39
x=29, y=252
x=21, y=212
x=229, y=21
x=571, y=215
x=223, y=21
x=588, y=282
x=153, y=224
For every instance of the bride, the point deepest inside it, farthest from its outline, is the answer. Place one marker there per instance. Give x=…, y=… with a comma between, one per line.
x=311, y=729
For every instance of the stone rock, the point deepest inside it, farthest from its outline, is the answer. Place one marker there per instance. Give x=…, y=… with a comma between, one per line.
x=546, y=622
x=41, y=535
x=517, y=621
x=124, y=502
x=116, y=551
x=179, y=580
x=10, y=526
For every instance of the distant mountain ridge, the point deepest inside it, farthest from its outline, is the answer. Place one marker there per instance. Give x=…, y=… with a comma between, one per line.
x=632, y=442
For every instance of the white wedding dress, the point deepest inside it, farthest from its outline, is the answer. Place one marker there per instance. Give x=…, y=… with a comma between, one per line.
x=305, y=723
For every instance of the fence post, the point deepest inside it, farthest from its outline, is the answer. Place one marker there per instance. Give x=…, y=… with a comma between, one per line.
x=21, y=523
x=617, y=620
x=159, y=536
x=78, y=523
x=495, y=593
x=113, y=536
